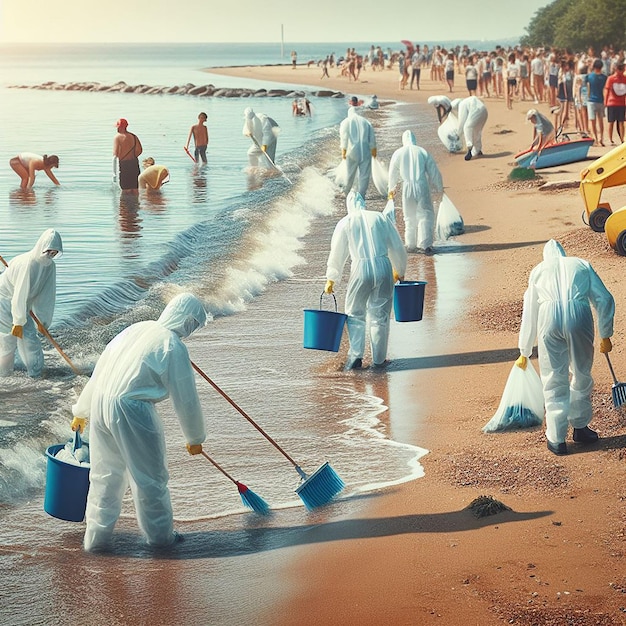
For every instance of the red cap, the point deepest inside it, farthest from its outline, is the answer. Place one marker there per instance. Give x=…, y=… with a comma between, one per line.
x=121, y=123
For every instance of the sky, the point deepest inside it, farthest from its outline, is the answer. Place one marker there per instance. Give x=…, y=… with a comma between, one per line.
x=192, y=21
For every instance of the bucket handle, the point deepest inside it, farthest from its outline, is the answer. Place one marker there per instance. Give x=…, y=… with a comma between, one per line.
x=330, y=294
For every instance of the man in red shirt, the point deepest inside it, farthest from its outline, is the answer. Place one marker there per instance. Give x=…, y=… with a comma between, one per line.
x=615, y=100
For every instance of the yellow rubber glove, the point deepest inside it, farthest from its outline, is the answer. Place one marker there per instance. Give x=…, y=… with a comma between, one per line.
x=194, y=448
x=18, y=331
x=606, y=346
x=396, y=278
x=329, y=286
x=522, y=362
x=343, y=153
x=390, y=195
x=374, y=152
x=264, y=148
x=78, y=424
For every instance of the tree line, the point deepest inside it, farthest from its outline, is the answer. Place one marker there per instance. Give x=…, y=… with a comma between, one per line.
x=578, y=25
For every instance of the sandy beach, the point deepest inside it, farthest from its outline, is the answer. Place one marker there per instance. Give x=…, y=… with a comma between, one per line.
x=417, y=555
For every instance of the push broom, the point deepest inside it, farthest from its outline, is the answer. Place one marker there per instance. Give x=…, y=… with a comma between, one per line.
x=45, y=332
x=315, y=490
x=618, y=390
x=248, y=497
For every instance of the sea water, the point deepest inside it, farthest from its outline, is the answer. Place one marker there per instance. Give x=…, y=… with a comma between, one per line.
x=252, y=247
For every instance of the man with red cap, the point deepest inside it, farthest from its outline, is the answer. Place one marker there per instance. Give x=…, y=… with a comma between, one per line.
x=126, y=149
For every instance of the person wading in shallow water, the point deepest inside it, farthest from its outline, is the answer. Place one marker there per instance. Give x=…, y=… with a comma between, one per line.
x=126, y=149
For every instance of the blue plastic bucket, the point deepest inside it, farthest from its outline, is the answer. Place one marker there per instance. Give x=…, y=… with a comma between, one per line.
x=323, y=329
x=408, y=300
x=66, y=487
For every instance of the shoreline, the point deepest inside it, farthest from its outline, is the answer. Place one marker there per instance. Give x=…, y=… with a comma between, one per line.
x=558, y=554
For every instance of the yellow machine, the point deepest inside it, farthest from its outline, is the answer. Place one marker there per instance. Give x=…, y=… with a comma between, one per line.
x=615, y=229
x=607, y=171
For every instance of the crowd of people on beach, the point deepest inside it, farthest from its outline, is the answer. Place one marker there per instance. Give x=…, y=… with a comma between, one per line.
x=562, y=79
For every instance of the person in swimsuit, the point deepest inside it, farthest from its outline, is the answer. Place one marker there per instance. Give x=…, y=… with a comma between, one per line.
x=126, y=149
x=153, y=176
x=200, y=135
x=26, y=164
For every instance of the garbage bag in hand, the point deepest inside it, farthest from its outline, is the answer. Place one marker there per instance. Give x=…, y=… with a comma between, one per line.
x=449, y=220
x=522, y=402
x=449, y=135
x=341, y=175
x=380, y=176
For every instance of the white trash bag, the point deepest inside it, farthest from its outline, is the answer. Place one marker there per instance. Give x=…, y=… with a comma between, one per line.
x=449, y=135
x=380, y=176
x=341, y=175
x=522, y=403
x=449, y=220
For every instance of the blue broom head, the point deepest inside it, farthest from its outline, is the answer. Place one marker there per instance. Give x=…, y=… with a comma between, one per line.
x=320, y=488
x=252, y=500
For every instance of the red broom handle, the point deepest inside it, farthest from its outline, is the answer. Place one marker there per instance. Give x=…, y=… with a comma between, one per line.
x=44, y=330
x=238, y=408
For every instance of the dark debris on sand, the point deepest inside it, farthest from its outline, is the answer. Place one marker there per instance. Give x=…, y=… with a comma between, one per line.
x=484, y=506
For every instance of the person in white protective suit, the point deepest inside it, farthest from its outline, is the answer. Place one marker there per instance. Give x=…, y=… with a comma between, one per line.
x=557, y=313
x=28, y=284
x=358, y=147
x=378, y=258
x=263, y=131
x=144, y=364
x=472, y=116
x=420, y=174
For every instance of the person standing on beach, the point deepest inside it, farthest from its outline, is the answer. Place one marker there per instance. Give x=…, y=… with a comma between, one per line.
x=200, y=135
x=144, y=364
x=595, y=100
x=26, y=164
x=126, y=150
x=557, y=313
x=358, y=147
x=377, y=256
x=263, y=130
x=28, y=284
x=615, y=101
x=419, y=173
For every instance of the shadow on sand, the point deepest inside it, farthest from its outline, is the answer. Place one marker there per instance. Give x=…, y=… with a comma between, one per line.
x=241, y=542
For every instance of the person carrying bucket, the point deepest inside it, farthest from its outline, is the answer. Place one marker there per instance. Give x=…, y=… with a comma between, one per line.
x=28, y=285
x=420, y=174
x=145, y=364
x=377, y=257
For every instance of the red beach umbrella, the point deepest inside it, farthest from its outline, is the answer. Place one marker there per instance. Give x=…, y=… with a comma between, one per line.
x=408, y=44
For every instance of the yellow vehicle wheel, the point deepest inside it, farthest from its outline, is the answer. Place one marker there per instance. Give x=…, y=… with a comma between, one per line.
x=620, y=243
x=598, y=218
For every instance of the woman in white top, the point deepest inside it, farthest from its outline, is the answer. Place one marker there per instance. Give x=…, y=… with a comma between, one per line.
x=26, y=164
x=512, y=74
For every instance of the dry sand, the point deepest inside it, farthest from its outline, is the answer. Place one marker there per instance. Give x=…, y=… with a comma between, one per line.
x=418, y=555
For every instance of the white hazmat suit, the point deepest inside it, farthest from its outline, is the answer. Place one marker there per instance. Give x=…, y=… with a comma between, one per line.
x=358, y=146
x=557, y=313
x=28, y=284
x=371, y=241
x=448, y=124
x=145, y=364
x=420, y=174
x=472, y=115
x=263, y=131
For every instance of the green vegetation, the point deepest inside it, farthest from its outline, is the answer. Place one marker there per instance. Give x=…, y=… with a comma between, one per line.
x=578, y=25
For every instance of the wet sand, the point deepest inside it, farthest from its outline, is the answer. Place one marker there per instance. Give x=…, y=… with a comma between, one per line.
x=414, y=554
